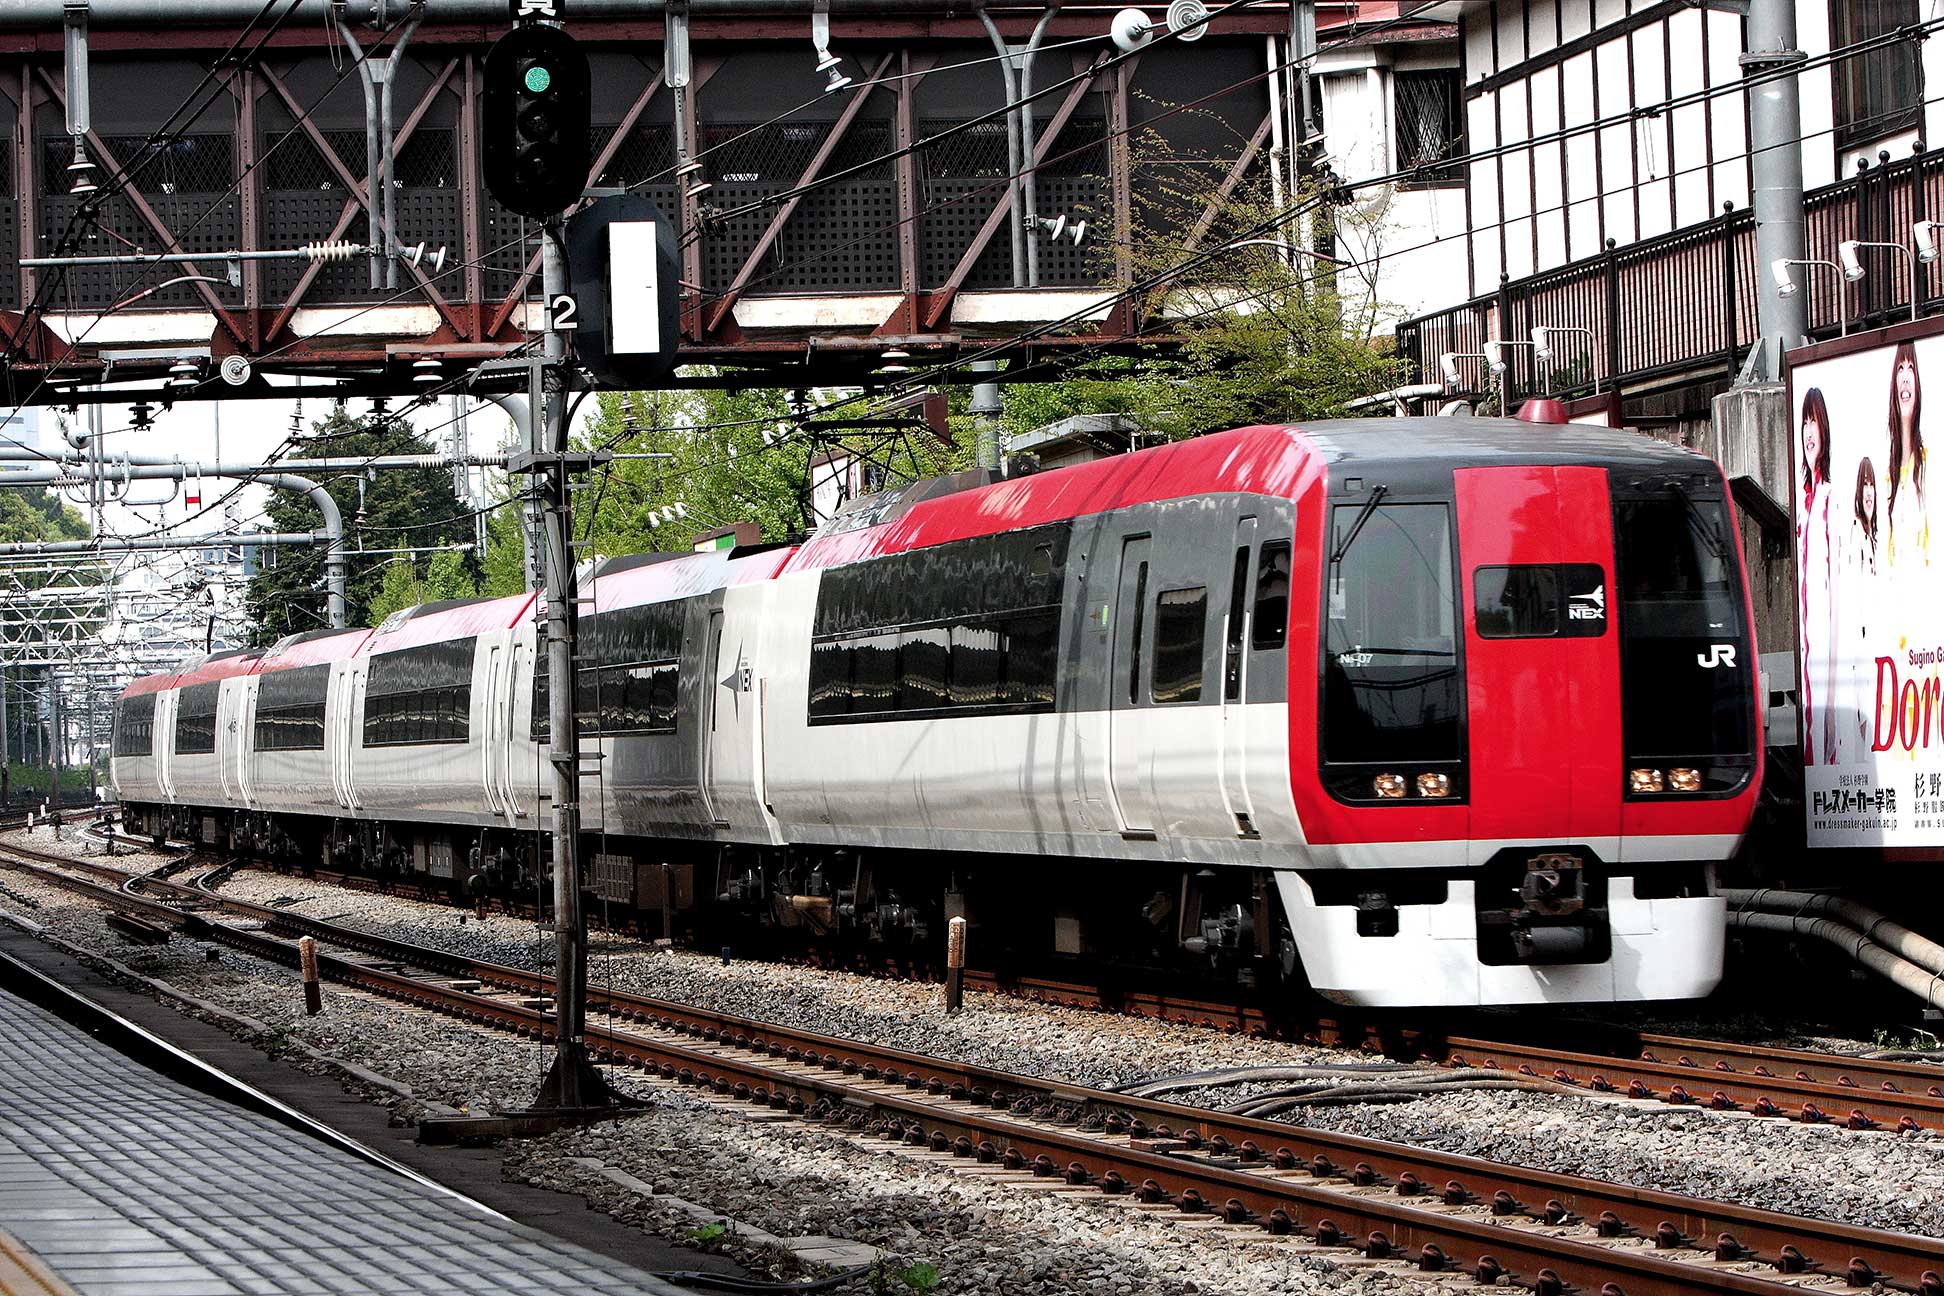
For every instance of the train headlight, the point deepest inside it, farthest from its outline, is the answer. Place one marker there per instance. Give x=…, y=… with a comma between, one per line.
x=1682, y=779
x=1434, y=785
x=1645, y=780
x=1389, y=786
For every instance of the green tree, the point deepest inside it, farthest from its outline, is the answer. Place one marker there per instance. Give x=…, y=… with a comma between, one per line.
x=727, y=457
x=398, y=508
x=446, y=576
x=1242, y=335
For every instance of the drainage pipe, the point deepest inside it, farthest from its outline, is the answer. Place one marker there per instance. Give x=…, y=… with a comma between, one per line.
x=1898, y=939
x=1905, y=975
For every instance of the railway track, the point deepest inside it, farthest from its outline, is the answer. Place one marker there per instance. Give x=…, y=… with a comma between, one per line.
x=1435, y=1212
x=1803, y=1085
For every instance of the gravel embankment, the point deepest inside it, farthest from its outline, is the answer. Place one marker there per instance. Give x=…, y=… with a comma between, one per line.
x=786, y=1178
x=790, y=1180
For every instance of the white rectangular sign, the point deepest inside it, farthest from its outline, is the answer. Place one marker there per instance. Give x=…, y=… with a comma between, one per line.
x=634, y=291
x=1871, y=646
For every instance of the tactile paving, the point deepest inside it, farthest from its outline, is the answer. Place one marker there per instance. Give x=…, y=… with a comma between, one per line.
x=120, y=1181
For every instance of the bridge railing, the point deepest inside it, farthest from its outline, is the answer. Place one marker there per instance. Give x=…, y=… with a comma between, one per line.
x=1681, y=306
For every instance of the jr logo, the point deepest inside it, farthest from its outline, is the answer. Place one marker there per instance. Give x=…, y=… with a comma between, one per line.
x=1717, y=655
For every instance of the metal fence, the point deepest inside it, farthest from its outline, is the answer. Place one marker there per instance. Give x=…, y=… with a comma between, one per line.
x=1681, y=306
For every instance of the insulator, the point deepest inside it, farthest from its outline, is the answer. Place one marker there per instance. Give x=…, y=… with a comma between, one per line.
x=336, y=250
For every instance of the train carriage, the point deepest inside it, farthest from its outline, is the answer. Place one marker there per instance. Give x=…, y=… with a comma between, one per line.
x=1421, y=711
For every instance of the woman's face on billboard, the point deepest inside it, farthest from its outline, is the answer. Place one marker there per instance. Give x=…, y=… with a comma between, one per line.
x=1869, y=498
x=1905, y=380
x=1812, y=439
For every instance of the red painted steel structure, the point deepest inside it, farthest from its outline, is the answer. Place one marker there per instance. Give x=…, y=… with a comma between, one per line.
x=811, y=288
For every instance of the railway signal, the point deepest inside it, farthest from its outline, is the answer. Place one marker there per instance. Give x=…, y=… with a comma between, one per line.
x=535, y=119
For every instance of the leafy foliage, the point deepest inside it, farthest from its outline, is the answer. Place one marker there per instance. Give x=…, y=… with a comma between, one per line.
x=403, y=585
x=411, y=507
x=1246, y=334
x=715, y=463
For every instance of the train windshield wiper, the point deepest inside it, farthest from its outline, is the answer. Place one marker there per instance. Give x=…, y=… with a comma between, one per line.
x=1699, y=524
x=1377, y=494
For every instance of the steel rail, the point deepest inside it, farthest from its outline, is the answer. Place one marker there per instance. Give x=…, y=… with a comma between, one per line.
x=1439, y=1210
x=1799, y=1085
x=1800, y=1094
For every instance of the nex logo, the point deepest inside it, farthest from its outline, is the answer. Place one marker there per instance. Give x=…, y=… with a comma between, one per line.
x=1717, y=655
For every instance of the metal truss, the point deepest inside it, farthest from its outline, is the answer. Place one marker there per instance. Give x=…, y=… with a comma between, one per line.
x=882, y=244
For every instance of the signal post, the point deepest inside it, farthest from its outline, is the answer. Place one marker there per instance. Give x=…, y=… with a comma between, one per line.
x=535, y=111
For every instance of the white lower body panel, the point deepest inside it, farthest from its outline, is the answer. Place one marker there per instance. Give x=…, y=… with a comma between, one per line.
x=1662, y=949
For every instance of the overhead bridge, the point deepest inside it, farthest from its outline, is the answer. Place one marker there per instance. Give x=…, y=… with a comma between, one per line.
x=873, y=218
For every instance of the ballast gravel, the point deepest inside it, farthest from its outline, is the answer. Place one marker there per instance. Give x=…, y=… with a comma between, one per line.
x=790, y=1179
x=994, y=1030
x=786, y=1178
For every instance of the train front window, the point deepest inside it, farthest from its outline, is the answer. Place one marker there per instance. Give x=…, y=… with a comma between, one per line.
x=1684, y=655
x=1391, y=691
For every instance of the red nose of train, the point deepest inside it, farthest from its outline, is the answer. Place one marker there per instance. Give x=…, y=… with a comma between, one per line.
x=1608, y=674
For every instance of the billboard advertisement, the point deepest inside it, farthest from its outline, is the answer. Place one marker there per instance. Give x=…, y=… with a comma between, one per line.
x=1870, y=665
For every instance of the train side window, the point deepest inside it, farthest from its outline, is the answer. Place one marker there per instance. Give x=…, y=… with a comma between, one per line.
x=925, y=669
x=640, y=698
x=419, y=695
x=1516, y=602
x=874, y=674
x=1271, y=615
x=1140, y=632
x=195, y=729
x=290, y=709
x=135, y=726
x=978, y=665
x=830, y=682
x=1032, y=659
x=1180, y=627
x=1232, y=648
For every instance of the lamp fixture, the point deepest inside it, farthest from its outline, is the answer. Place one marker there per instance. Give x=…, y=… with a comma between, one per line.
x=1924, y=234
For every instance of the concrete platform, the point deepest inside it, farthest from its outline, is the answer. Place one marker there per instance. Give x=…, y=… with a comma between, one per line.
x=119, y=1180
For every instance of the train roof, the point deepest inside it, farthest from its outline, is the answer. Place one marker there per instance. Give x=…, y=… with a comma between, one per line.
x=312, y=648
x=452, y=619
x=1268, y=459
x=636, y=579
x=215, y=666
x=218, y=666
x=1442, y=443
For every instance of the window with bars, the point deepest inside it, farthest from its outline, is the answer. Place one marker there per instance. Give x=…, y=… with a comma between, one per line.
x=1430, y=125
x=1879, y=91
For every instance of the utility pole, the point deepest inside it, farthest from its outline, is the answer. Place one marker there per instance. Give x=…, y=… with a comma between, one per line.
x=535, y=107
x=986, y=407
x=1775, y=132
x=573, y=1082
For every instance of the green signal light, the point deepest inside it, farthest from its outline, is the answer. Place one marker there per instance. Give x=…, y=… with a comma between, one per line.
x=538, y=79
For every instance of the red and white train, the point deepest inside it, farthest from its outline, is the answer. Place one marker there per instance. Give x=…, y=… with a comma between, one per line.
x=1421, y=711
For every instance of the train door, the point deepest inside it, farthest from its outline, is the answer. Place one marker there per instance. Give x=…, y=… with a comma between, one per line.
x=243, y=741
x=1542, y=673
x=335, y=754
x=163, y=743
x=713, y=684
x=1235, y=668
x=350, y=683
x=1127, y=748
x=227, y=702
x=506, y=704
x=491, y=759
